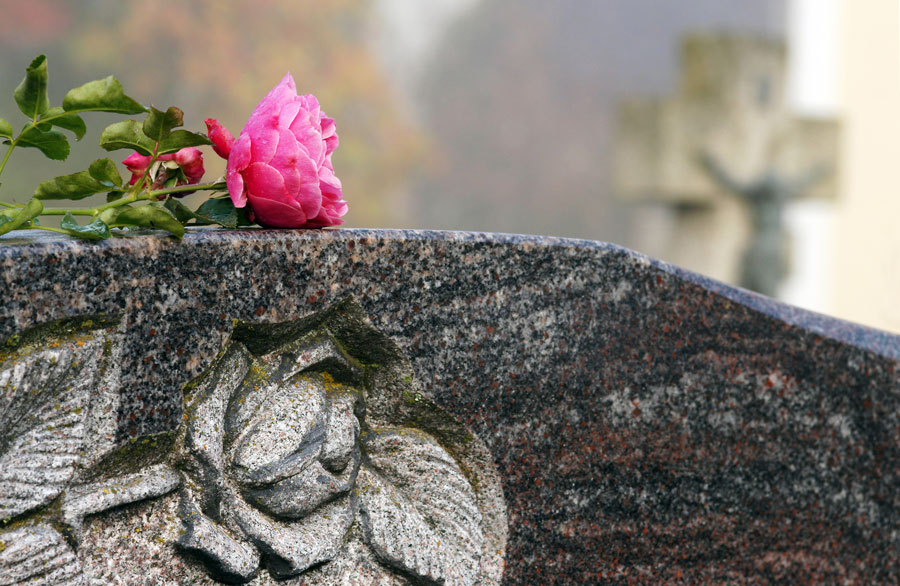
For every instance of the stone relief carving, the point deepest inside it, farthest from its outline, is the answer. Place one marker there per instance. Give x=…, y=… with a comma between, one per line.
x=307, y=455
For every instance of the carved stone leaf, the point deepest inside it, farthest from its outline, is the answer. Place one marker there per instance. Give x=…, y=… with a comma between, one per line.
x=44, y=402
x=418, y=511
x=38, y=555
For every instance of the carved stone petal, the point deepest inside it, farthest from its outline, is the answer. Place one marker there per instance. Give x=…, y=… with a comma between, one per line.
x=342, y=431
x=300, y=495
x=209, y=401
x=284, y=434
x=44, y=400
x=38, y=555
x=291, y=548
x=226, y=558
x=418, y=511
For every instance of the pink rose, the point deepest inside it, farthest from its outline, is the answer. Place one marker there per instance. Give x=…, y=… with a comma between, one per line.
x=281, y=162
x=186, y=164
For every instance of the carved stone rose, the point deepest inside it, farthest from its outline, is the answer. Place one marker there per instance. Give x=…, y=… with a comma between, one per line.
x=308, y=455
x=288, y=466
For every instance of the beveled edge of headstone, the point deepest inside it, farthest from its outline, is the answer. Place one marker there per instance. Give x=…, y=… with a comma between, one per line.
x=16, y=245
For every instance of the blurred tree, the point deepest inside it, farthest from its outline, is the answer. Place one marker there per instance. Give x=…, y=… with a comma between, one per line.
x=218, y=59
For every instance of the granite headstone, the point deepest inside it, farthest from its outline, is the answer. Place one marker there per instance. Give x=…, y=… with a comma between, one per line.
x=406, y=407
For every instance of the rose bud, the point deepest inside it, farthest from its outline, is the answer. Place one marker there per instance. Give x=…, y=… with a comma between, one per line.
x=221, y=138
x=186, y=165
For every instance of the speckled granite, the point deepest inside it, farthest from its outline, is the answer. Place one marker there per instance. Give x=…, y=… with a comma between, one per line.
x=647, y=425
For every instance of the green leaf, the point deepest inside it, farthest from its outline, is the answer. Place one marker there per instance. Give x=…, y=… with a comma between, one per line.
x=153, y=215
x=22, y=215
x=221, y=211
x=180, y=139
x=127, y=134
x=31, y=94
x=96, y=230
x=223, y=216
x=5, y=128
x=158, y=125
x=102, y=95
x=181, y=212
x=50, y=142
x=105, y=171
x=69, y=121
x=75, y=186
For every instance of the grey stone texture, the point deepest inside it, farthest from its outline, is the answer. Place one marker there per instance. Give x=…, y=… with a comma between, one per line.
x=403, y=407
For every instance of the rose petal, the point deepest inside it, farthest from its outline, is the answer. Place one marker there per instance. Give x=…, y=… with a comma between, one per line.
x=264, y=141
x=288, y=112
x=263, y=181
x=270, y=106
x=307, y=132
x=329, y=134
x=239, y=157
x=301, y=177
x=325, y=219
x=236, y=190
x=311, y=105
x=238, y=160
x=275, y=214
x=287, y=153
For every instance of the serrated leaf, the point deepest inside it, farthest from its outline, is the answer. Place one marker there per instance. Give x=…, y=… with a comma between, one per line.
x=418, y=511
x=5, y=128
x=158, y=125
x=31, y=94
x=37, y=554
x=222, y=212
x=52, y=143
x=228, y=217
x=102, y=95
x=96, y=230
x=180, y=139
x=75, y=186
x=151, y=216
x=127, y=134
x=181, y=212
x=105, y=171
x=22, y=215
x=69, y=121
x=45, y=429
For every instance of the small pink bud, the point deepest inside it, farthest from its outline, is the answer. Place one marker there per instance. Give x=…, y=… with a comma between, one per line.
x=221, y=138
x=190, y=159
x=137, y=164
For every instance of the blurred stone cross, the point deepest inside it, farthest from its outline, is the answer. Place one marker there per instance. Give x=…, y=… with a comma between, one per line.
x=695, y=156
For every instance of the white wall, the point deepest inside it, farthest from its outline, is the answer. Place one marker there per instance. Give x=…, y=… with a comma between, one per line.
x=866, y=276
